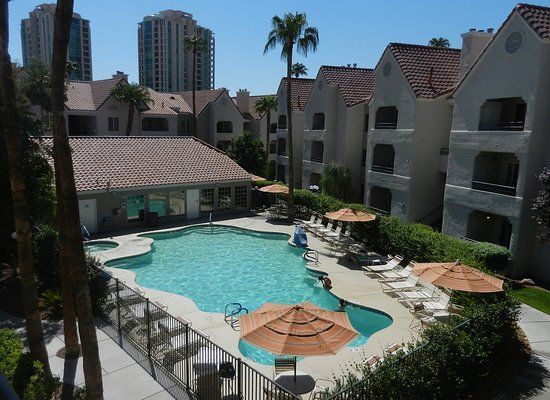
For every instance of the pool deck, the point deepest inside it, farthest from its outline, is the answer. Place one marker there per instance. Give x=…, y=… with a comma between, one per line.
x=348, y=282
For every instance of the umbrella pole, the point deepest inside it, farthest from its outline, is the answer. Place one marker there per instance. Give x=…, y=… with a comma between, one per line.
x=295, y=369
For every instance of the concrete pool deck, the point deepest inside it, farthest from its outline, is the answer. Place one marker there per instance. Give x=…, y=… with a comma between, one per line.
x=348, y=282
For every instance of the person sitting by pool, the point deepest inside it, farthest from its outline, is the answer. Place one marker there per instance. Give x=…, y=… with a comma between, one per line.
x=327, y=283
x=342, y=305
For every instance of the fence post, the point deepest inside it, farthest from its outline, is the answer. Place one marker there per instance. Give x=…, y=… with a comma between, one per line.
x=187, y=360
x=148, y=328
x=240, y=378
x=117, y=289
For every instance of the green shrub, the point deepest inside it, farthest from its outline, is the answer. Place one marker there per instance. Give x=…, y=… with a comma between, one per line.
x=99, y=287
x=11, y=349
x=53, y=302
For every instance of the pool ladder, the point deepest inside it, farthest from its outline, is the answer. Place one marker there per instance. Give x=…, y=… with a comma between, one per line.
x=232, y=311
x=312, y=256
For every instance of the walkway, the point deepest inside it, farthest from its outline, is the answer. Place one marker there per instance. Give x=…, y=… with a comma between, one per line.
x=123, y=377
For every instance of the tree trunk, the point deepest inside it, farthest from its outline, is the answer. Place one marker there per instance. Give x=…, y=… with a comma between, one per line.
x=15, y=156
x=194, y=87
x=268, y=121
x=289, y=135
x=72, y=257
x=130, y=119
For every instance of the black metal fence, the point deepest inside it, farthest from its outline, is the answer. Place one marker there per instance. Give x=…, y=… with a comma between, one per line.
x=359, y=390
x=189, y=363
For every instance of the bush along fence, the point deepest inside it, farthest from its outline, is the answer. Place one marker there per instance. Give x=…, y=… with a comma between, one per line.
x=182, y=359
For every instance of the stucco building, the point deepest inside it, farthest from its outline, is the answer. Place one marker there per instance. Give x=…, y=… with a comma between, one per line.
x=500, y=141
x=125, y=182
x=336, y=121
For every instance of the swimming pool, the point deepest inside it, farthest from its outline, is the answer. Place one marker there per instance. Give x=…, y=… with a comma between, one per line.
x=97, y=246
x=217, y=265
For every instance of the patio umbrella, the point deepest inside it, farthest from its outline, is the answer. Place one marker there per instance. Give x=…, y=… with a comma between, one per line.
x=299, y=330
x=256, y=178
x=275, y=188
x=457, y=276
x=350, y=215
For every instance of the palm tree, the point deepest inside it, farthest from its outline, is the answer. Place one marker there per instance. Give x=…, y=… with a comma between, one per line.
x=25, y=264
x=299, y=70
x=336, y=181
x=195, y=44
x=135, y=95
x=288, y=31
x=71, y=252
x=439, y=42
x=264, y=106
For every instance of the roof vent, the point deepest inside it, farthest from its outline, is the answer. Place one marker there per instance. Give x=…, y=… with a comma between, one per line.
x=349, y=65
x=472, y=29
x=354, y=65
x=513, y=42
x=490, y=30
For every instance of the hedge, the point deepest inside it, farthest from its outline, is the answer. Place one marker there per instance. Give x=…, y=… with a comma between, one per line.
x=414, y=241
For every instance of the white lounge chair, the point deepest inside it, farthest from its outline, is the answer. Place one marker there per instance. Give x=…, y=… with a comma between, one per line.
x=409, y=283
x=397, y=275
x=442, y=304
x=393, y=348
x=424, y=292
x=392, y=263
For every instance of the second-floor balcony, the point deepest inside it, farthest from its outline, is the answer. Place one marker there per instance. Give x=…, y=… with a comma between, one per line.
x=383, y=158
x=496, y=173
x=386, y=118
x=317, y=151
x=506, y=114
x=383, y=169
x=494, y=188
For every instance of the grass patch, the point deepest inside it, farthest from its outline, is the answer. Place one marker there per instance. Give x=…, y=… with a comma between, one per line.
x=536, y=298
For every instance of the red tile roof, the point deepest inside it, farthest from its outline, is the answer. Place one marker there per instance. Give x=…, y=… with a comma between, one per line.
x=431, y=71
x=89, y=96
x=139, y=161
x=166, y=104
x=300, y=90
x=355, y=84
x=202, y=98
x=537, y=17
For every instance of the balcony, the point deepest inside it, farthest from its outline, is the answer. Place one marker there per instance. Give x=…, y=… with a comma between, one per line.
x=496, y=173
x=494, y=188
x=385, y=125
x=316, y=159
x=386, y=118
x=506, y=114
x=317, y=151
x=383, y=158
x=382, y=168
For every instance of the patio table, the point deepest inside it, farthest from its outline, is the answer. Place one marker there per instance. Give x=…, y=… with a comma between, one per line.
x=302, y=383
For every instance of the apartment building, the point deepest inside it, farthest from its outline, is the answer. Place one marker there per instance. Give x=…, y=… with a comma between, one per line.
x=165, y=65
x=91, y=110
x=336, y=121
x=255, y=122
x=499, y=141
x=409, y=130
x=300, y=91
x=37, y=41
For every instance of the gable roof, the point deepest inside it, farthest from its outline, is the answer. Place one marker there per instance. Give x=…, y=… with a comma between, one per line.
x=89, y=96
x=120, y=162
x=430, y=71
x=166, y=104
x=252, y=114
x=202, y=98
x=538, y=17
x=300, y=91
x=355, y=84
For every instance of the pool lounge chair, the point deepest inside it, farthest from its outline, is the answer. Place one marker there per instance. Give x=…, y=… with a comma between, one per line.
x=390, y=264
x=409, y=283
x=373, y=361
x=283, y=364
x=393, y=348
x=396, y=275
x=442, y=304
x=424, y=292
x=306, y=225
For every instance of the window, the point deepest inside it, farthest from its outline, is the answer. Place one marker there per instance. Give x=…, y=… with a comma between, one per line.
x=154, y=124
x=386, y=118
x=177, y=203
x=113, y=124
x=318, y=122
x=207, y=200
x=281, y=123
x=135, y=205
x=241, y=196
x=157, y=203
x=224, y=127
x=224, y=198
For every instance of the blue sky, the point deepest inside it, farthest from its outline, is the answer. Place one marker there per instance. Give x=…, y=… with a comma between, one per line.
x=351, y=31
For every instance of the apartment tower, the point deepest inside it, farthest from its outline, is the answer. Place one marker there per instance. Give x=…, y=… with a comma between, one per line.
x=164, y=63
x=37, y=41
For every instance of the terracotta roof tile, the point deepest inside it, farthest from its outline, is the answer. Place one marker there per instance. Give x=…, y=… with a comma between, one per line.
x=301, y=89
x=166, y=104
x=537, y=17
x=131, y=162
x=202, y=98
x=355, y=84
x=89, y=96
x=430, y=71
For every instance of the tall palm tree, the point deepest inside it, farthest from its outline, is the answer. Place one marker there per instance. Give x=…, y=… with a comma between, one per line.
x=25, y=264
x=71, y=255
x=298, y=70
x=289, y=31
x=135, y=96
x=439, y=42
x=195, y=44
x=264, y=106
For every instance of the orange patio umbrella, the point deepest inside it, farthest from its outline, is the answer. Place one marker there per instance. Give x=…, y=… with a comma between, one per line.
x=350, y=215
x=256, y=178
x=457, y=276
x=275, y=188
x=299, y=330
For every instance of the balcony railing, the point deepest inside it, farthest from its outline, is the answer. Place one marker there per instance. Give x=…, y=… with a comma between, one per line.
x=385, y=125
x=379, y=210
x=316, y=159
x=382, y=168
x=282, y=153
x=494, y=188
x=502, y=126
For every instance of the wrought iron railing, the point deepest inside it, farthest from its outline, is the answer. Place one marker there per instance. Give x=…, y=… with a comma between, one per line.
x=382, y=168
x=186, y=359
x=385, y=125
x=316, y=159
x=494, y=188
x=502, y=126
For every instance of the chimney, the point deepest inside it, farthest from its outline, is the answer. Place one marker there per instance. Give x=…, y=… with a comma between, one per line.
x=120, y=75
x=349, y=65
x=473, y=43
x=354, y=65
x=243, y=100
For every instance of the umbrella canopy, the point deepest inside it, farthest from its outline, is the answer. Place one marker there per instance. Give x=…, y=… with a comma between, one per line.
x=256, y=178
x=275, y=188
x=350, y=215
x=299, y=330
x=457, y=276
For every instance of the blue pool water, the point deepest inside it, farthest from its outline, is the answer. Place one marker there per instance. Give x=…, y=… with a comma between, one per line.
x=219, y=265
x=94, y=247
